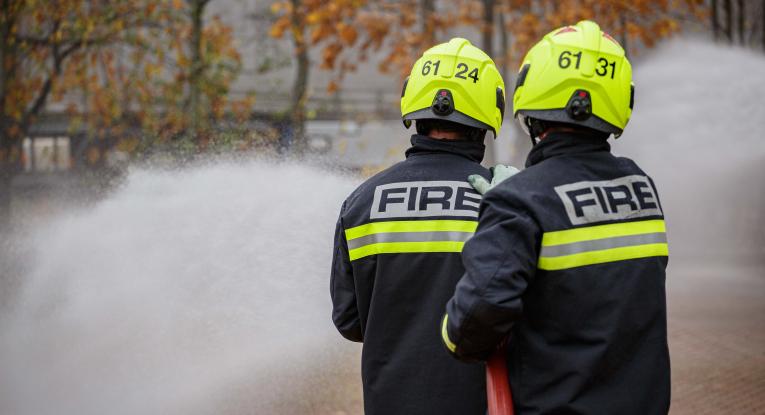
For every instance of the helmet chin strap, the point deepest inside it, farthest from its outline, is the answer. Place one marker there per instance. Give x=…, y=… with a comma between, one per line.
x=538, y=130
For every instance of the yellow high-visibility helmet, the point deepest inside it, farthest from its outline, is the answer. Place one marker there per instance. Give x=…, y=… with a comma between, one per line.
x=457, y=82
x=576, y=75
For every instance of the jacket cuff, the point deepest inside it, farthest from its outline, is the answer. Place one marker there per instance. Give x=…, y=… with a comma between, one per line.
x=445, y=335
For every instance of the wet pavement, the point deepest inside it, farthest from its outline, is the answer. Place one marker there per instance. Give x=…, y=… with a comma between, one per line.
x=717, y=338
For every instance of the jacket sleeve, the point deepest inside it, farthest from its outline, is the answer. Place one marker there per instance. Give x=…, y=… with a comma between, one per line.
x=345, y=314
x=500, y=261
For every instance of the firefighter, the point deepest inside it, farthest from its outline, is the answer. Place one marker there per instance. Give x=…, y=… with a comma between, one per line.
x=399, y=236
x=566, y=270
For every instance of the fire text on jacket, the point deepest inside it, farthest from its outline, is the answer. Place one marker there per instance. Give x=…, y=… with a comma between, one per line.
x=618, y=199
x=420, y=199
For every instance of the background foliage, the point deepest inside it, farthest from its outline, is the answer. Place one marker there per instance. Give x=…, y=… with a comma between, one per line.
x=147, y=76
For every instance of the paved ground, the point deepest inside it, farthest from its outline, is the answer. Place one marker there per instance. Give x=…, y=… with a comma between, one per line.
x=717, y=339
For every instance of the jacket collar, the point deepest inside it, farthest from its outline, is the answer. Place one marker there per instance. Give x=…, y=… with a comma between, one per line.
x=471, y=150
x=560, y=143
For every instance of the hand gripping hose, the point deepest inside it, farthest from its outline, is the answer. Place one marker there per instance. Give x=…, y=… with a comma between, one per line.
x=498, y=394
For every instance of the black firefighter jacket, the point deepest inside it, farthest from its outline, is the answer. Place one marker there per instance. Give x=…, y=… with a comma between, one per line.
x=396, y=263
x=569, y=260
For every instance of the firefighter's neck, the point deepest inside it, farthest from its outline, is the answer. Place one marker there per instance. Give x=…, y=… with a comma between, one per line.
x=546, y=132
x=443, y=135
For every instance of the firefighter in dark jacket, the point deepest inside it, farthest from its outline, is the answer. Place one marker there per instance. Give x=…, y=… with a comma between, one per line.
x=567, y=266
x=399, y=236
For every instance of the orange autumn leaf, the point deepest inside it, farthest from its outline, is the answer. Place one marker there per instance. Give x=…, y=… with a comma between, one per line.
x=348, y=34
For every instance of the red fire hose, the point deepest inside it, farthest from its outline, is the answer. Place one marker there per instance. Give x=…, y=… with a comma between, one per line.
x=498, y=394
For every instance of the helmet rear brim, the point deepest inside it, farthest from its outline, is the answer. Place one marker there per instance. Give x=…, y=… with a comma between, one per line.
x=560, y=115
x=455, y=116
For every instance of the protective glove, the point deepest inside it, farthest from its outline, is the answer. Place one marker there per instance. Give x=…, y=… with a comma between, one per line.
x=499, y=173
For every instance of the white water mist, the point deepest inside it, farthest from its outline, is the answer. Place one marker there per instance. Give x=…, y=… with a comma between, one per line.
x=175, y=292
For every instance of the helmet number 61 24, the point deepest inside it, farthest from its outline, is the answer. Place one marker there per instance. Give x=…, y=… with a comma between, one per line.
x=462, y=69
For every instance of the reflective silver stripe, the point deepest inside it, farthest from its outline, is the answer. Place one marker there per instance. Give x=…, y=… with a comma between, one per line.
x=409, y=237
x=601, y=244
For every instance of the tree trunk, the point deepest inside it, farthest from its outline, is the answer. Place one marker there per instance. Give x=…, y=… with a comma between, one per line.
x=6, y=160
x=487, y=29
x=487, y=44
x=741, y=14
x=504, y=45
x=7, y=172
x=300, y=87
x=715, y=21
x=10, y=166
x=728, y=6
x=197, y=67
x=763, y=25
x=625, y=35
x=427, y=8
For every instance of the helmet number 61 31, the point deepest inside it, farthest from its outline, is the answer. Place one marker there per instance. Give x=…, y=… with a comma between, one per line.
x=566, y=59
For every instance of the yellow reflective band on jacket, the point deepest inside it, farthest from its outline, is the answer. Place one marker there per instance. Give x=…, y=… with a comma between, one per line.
x=394, y=237
x=603, y=243
x=445, y=335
